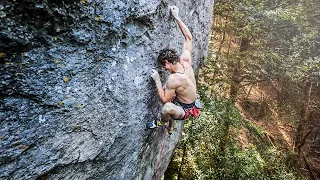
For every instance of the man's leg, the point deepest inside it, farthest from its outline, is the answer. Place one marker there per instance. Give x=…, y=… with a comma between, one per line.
x=170, y=112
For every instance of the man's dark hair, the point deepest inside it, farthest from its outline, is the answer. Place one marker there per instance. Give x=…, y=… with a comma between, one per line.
x=168, y=54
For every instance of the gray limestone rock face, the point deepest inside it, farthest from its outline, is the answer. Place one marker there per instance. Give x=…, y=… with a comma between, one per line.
x=75, y=86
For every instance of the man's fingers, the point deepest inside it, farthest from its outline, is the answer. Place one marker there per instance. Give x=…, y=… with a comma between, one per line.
x=153, y=73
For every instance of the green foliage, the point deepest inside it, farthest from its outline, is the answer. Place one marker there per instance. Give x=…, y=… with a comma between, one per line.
x=213, y=151
x=282, y=42
x=253, y=41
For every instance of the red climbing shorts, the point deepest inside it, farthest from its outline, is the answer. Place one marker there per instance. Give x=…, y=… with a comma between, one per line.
x=192, y=109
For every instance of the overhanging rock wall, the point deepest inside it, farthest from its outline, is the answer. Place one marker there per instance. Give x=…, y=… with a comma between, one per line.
x=75, y=86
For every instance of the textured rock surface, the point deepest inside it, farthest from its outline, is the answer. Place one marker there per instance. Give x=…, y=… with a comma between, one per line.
x=75, y=86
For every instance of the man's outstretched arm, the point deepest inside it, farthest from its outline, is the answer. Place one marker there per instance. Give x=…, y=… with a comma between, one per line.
x=187, y=45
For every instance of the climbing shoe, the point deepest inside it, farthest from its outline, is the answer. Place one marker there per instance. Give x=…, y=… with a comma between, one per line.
x=159, y=123
x=154, y=124
x=170, y=131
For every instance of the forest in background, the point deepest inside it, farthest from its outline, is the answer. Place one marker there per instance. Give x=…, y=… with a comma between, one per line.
x=260, y=89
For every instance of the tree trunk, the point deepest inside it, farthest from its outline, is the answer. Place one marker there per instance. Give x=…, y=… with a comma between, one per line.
x=236, y=79
x=235, y=85
x=302, y=135
x=225, y=137
x=249, y=92
x=223, y=38
x=223, y=35
x=304, y=117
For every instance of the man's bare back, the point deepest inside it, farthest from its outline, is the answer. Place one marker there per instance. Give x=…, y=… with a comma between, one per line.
x=186, y=91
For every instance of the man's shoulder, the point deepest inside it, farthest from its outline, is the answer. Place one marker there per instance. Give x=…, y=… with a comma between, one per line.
x=173, y=77
x=173, y=81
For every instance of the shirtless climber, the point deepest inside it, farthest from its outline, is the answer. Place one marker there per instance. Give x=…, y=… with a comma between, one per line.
x=180, y=93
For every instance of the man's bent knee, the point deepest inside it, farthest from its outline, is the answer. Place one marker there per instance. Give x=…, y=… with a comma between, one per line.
x=172, y=110
x=168, y=108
